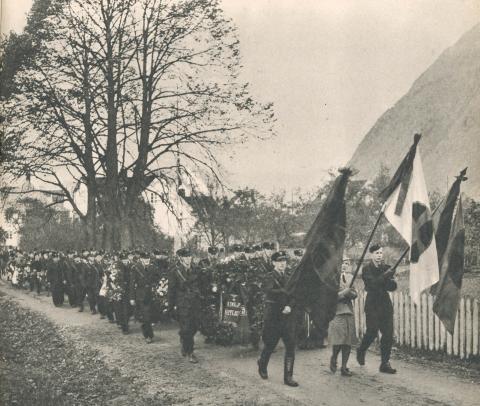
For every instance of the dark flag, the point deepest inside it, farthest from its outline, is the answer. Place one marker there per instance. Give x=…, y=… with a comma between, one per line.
x=450, y=238
x=315, y=281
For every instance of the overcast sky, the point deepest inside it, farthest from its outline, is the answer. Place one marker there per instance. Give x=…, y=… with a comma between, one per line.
x=331, y=68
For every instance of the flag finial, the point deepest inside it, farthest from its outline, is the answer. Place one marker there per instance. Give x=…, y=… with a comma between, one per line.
x=416, y=138
x=462, y=174
x=346, y=171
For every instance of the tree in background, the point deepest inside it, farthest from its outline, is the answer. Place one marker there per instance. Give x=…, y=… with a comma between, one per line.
x=46, y=226
x=127, y=92
x=472, y=232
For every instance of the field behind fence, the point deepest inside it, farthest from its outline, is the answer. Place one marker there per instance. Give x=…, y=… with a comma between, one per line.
x=418, y=327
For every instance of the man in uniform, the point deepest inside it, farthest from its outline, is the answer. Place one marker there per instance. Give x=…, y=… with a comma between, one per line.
x=280, y=319
x=100, y=266
x=36, y=269
x=55, y=279
x=184, y=294
x=45, y=264
x=80, y=282
x=142, y=280
x=379, y=280
x=92, y=282
x=69, y=275
x=121, y=291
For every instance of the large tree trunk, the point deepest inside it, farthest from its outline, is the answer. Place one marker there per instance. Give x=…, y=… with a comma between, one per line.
x=126, y=234
x=91, y=222
x=112, y=226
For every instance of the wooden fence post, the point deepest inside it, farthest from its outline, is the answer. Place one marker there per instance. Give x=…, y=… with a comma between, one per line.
x=424, y=313
x=468, y=327
x=455, y=335
x=402, y=318
x=418, y=315
x=431, y=330
x=475, y=328
x=461, y=326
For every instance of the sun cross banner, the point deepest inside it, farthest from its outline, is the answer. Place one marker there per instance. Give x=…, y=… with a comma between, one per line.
x=407, y=208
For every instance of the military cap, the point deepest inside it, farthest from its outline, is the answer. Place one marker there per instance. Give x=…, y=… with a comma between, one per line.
x=213, y=250
x=257, y=248
x=374, y=247
x=184, y=252
x=55, y=254
x=266, y=246
x=123, y=255
x=298, y=252
x=279, y=256
x=222, y=249
x=204, y=263
x=249, y=250
x=144, y=255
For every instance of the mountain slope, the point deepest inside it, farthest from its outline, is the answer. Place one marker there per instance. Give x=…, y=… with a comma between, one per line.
x=443, y=104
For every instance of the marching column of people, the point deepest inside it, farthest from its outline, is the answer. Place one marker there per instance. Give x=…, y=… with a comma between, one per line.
x=150, y=288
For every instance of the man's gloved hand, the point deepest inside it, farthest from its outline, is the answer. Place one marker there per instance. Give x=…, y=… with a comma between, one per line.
x=287, y=310
x=389, y=273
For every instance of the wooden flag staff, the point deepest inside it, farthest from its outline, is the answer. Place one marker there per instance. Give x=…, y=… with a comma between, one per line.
x=359, y=264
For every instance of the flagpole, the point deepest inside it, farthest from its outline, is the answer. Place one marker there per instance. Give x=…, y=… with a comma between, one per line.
x=359, y=264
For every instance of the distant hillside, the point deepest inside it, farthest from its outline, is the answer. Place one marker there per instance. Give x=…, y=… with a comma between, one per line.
x=444, y=105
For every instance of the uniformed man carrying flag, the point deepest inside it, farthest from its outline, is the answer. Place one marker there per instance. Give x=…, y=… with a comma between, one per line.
x=279, y=319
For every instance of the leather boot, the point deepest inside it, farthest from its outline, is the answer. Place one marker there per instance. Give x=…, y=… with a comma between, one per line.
x=288, y=372
x=263, y=364
x=386, y=368
x=360, y=356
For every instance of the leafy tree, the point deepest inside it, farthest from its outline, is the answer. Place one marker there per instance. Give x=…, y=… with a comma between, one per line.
x=472, y=232
x=3, y=236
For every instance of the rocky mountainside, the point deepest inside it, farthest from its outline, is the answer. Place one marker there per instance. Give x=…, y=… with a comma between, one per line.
x=443, y=104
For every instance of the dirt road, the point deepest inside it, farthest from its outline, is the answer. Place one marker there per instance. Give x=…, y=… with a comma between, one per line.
x=228, y=375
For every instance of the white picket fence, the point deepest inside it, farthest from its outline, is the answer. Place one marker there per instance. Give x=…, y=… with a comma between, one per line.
x=418, y=327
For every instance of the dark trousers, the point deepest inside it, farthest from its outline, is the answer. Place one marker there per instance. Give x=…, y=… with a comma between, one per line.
x=122, y=313
x=35, y=283
x=279, y=326
x=102, y=303
x=92, y=297
x=379, y=317
x=109, y=310
x=189, y=320
x=80, y=294
x=71, y=294
x=145, y=315
x=57, y=294
x=31, y=282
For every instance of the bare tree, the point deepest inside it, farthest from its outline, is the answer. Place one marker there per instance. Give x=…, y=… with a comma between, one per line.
x=126, y=92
